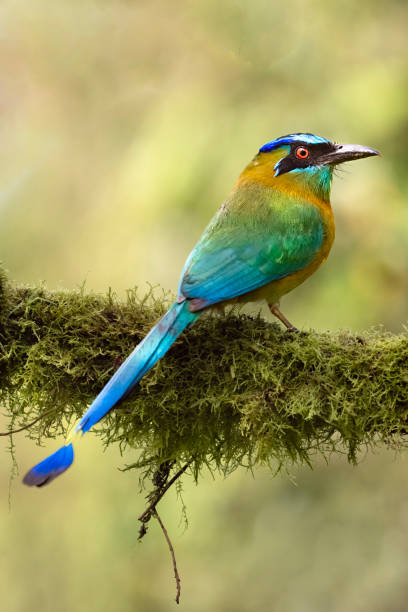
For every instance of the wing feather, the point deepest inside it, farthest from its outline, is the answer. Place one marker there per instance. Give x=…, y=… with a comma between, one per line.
x=238, y=252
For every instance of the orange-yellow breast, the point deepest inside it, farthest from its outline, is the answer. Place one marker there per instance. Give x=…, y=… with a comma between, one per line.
x=295, y=188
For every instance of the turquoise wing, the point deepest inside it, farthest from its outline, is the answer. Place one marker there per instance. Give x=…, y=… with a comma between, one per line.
x=241, y=251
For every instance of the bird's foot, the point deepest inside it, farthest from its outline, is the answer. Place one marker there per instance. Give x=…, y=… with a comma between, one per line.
x=279, y=315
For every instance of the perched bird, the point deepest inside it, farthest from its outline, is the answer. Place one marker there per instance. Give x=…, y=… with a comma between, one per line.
x=272, y=232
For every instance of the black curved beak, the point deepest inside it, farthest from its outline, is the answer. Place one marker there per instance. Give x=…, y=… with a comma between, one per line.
x=347, y=152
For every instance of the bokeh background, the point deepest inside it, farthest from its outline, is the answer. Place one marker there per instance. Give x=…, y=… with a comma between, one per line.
x=123, y=125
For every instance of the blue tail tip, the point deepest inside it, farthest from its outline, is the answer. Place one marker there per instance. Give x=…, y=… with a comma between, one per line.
x=54, y=465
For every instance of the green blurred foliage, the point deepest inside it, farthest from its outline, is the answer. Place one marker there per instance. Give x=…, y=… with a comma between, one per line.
x=123, y=126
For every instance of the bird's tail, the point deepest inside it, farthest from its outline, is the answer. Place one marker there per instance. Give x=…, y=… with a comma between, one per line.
x=145, y=355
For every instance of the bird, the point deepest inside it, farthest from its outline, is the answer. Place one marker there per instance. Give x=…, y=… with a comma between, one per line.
x=271, y=233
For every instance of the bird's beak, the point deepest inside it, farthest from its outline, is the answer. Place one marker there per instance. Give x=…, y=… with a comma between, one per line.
x=347, y=152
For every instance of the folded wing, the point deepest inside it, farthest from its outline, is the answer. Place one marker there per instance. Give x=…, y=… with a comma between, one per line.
x=238, y=253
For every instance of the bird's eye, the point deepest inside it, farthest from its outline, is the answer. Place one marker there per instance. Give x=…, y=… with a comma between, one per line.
x=302, y=152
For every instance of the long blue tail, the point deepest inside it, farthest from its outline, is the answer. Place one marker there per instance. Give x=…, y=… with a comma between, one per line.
x=145, y=355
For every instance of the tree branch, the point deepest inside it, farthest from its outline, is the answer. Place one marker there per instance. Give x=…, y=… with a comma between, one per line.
x=232, y=391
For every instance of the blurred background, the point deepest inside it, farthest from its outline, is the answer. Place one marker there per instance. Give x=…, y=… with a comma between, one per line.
x=123, y=125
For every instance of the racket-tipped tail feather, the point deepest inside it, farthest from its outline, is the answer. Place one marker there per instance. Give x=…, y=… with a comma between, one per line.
x=54, y=465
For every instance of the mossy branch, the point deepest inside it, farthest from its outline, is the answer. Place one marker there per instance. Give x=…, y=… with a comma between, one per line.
x=232, y=391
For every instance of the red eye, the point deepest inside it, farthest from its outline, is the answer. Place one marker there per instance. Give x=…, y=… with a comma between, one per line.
x=302, y=152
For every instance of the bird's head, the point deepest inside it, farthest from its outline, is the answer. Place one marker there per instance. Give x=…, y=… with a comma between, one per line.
x=303, y=161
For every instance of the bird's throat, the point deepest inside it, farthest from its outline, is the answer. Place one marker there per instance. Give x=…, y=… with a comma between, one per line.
x=312, y=184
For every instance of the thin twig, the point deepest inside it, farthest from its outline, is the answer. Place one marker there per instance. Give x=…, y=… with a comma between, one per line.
x=13, y=431
x=145, y=516
x=173, y=556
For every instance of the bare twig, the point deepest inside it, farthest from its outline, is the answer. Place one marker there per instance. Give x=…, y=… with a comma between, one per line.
x=173, y=556
x=157, y=495
x=160, y=480
x=13, y=431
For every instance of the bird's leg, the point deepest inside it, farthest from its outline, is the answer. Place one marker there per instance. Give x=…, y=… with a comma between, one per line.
x=274, y=308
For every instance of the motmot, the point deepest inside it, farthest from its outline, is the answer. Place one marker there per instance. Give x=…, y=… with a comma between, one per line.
x=271, y=233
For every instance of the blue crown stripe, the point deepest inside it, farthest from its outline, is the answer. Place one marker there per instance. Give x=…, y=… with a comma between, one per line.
x=290, y=138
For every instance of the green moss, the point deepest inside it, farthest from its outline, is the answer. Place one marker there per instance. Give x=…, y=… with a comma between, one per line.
x=232, y=391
